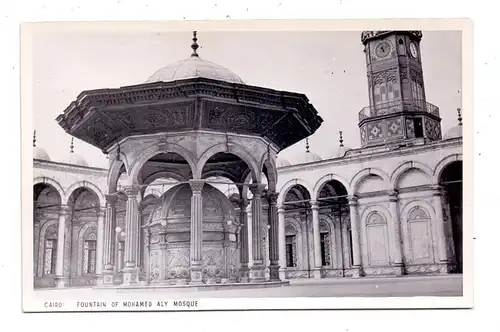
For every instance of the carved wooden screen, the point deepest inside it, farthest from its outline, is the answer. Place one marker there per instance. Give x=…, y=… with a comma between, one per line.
x=291, y=251
x=325, y=249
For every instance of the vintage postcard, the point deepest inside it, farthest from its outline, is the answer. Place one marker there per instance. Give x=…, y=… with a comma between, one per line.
x=246, y=165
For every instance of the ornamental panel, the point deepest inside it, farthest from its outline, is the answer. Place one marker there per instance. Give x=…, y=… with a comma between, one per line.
x=394, y=127
x=375, y=130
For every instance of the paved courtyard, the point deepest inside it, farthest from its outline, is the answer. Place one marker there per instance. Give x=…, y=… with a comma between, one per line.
x=365, y=287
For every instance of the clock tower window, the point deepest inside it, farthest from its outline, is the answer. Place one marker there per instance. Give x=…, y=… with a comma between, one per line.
x=417, y=91
x=386, y=92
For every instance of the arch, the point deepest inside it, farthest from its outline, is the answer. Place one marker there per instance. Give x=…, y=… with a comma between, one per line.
x=287, y=186
x=299, y=241
x=157, y=149
x=41, y=244
x=325, y=179
x=441, y=166
x=431, y=224
x=52, y=182
x=114, y=172
x=232, y=149
x=88, y=185
x=81, y=239
x=361, y=175
x=272, y=173
x=217, y=173
x=375, y=208
x=407, y=166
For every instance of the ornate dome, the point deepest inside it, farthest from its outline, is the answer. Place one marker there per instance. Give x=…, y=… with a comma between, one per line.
x=280, y=162
x=193, y=67
x=39, y=153
x=341, y=150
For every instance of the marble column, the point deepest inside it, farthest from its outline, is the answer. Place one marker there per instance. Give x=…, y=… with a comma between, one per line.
x=272, y=217
x=257, y=272
x=437, y=202
x=130, y=271
x=196, y=249
x=316, y=240
x=109, y=240
x=61, y=230
x=282, y=241
x=244, y=256
x=395, y=244
x=140, y=244
x=146, y=256
x=356, y=247
x=100, y=246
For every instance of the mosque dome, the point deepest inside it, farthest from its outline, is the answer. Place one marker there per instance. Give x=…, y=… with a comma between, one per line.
x=455, y=131
x=308, y=156
x=281, y=162
x=342, y=149
x=39, y=153
x=75, y=159
x=193, y=67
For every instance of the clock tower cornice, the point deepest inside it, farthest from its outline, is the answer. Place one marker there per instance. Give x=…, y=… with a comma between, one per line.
x=369, y=35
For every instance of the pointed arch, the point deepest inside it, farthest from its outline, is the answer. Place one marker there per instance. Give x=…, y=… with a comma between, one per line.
x=114, y=172
x=325, y=179
x=232, y=149
x=287, y=186
x=272, y=173
x=361, y=175
x=405, y=167
x=50, y=181
x=441, y=166
x=88, y=185
x=154, y=150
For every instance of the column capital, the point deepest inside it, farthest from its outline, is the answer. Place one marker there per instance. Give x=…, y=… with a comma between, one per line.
x=352, y=200
x=196, y=186
x=281, y=208
x=393, y=196
x=111, y=199
x=437, y=190
x=272, y=197
x=257, y=188
x=64, y=210
x=314, y=205
x=132, y=191
x=101, y=212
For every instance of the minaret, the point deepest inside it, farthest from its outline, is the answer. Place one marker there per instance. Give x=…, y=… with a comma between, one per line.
x=398, y=109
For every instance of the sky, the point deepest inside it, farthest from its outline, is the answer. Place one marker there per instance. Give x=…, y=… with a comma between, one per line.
x=327, y=66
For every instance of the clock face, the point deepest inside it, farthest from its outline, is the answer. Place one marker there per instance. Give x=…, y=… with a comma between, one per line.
x=383, y=49
x=413, y=50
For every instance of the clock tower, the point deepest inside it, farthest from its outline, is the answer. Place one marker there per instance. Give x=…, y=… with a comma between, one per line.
x=398, y=109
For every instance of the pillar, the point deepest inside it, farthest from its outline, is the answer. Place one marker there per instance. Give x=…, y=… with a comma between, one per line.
x=316, y=240
x=109, y=240
x=196, y=250
x=130, y=271
x=272, y=217
x=244, y=256
x=395, y=234
x=257, y=273
x=356, y=247
x=250, y=235
x=437, y=202
x=61, y=230
x=282, y=242
x=100, y=246
x=146, y=266
x=140, y=238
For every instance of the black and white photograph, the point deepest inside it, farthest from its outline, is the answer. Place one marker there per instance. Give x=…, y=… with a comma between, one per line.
x=174, y=167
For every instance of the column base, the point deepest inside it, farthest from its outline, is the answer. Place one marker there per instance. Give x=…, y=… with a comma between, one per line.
x=99, y=279
x=316, y=273
x=282, y=273
x=196, y=275
x=130, y=276
x=274, y=273
x=108, y=277
x=257, y=273
x=61, y=282
x=244, y=274
x=356, y=272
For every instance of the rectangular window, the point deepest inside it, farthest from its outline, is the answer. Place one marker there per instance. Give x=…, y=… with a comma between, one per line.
x=351, y=254
x=417, y=91
x=290, y=254
x=50, y=257
x=89, y=257
x=325, y=249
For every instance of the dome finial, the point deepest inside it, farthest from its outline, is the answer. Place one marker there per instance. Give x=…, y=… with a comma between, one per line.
x=459, y=111
x=307, y=145
x=34, y=138
x=194, y=45
x=72, y=145
x=341, y=140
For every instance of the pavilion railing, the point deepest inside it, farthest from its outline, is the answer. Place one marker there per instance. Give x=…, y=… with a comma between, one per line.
x=398, y=106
